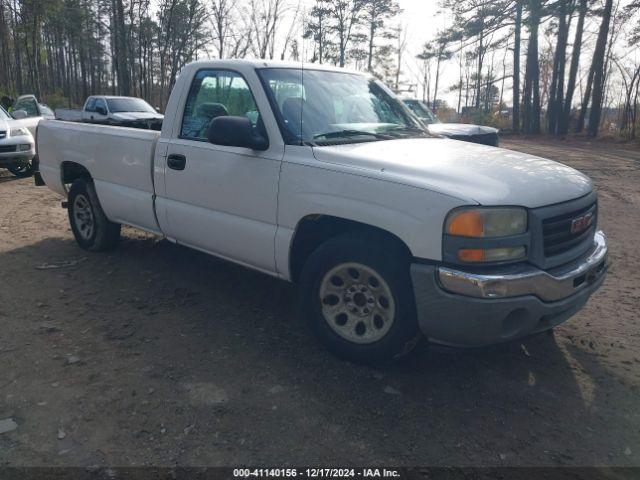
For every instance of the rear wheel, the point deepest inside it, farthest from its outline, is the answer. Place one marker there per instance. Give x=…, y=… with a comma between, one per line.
x=91, y=228
x=21, y=170
x=357, y=295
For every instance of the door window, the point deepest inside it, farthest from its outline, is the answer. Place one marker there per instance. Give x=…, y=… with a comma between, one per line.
x=101, y=106
x=216, y=93
x=28, y=105
x=91, y=105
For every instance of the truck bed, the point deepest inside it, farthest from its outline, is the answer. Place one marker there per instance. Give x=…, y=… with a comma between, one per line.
x=69, y=114
x=120, y=161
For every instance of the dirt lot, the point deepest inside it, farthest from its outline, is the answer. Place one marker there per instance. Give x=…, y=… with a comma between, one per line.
x=158, y=355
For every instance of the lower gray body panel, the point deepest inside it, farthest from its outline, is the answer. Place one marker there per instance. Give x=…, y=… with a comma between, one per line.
x=463, y=321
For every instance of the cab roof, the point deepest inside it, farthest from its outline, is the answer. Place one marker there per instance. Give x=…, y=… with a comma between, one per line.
x=261, y=63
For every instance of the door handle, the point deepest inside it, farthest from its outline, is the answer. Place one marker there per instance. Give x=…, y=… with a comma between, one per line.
x=176, y=162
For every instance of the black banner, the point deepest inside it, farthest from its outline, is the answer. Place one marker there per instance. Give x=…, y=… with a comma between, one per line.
x=391, y=473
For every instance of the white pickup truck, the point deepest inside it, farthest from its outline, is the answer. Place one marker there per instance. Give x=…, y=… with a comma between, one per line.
x=322, y=177
x=119, y=111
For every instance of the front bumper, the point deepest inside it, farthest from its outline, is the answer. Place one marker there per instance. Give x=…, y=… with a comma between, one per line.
x=471, y=309
x=17, y=157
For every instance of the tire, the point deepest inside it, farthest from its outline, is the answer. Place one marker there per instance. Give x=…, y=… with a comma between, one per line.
x=91, y=228
x=21, y=170
x=373, y=320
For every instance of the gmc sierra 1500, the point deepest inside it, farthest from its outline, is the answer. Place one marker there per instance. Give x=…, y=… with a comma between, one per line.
x=323, y=177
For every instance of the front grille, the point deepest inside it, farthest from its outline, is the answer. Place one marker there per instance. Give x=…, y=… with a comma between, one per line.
x=3, y=134
x=8, y=149
x=557, y=235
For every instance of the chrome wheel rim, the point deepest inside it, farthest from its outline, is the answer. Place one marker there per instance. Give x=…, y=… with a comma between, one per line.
x=357, y=303
x=83, y=216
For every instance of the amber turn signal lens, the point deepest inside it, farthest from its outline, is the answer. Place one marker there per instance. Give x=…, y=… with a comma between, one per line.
x=471, y=255
x=467, y=224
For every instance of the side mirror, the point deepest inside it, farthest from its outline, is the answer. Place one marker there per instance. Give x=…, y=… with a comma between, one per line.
x=19, y=114
x=101, y=110
x=235, y=132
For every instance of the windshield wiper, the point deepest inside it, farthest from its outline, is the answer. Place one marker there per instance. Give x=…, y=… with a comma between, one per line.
x=351, y=133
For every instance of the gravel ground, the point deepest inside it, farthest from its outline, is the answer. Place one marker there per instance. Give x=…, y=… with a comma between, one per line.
x=157, y=355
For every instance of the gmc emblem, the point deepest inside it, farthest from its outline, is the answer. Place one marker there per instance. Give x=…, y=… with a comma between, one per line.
x=580, y=224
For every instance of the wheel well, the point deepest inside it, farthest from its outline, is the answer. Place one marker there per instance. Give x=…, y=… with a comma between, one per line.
x=313, y=230
x=72, y=171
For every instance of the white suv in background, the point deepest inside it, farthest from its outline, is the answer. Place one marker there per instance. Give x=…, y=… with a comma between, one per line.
x=17, y=147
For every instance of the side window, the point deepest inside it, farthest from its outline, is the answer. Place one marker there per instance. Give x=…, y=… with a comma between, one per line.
x=100, y=106
x=216, y=93
x=28, y=105
x=91, y=105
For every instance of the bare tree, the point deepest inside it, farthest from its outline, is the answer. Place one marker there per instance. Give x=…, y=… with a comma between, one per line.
x=317, y=27
x=515, y=120
x=400, y=33
x=345, y=13
x=532, y=107
x=563, y=124
x=598, y=69
x=375, y=14
x=556, y=93
x=222, y=20
x=265, y=19
x=437, y=50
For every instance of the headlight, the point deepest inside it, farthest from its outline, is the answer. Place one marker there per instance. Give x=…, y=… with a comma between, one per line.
x=18, y=132
x=484, y=227
x=486, y=222
x=491, y=254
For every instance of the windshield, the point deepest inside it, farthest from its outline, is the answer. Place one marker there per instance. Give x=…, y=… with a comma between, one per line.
x=423, y=112
x=4, y=115
x=129, y=105
x=335, y=107
x=46, y=111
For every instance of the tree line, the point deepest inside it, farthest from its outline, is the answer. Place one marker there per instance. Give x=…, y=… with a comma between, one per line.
x=548, y=65
x=567, y=61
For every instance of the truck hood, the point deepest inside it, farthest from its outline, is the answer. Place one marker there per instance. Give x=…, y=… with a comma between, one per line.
x=470, y=172
x=133, y=116
x=447, y=129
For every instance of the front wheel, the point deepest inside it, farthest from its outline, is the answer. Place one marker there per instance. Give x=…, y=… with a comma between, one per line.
x=91, y=228
x=357, y=294
x=21, y=170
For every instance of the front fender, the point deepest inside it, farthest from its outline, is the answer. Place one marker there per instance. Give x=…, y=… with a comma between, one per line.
x=414, y=215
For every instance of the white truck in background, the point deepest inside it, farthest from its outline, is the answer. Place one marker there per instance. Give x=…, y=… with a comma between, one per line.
x=114, y=110
x=322, y=177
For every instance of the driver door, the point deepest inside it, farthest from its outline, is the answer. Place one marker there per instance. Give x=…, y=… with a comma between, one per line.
x=220, y=199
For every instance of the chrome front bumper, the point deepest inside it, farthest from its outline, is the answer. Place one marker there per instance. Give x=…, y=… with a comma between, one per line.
x=551, y=286
x=470, y=310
